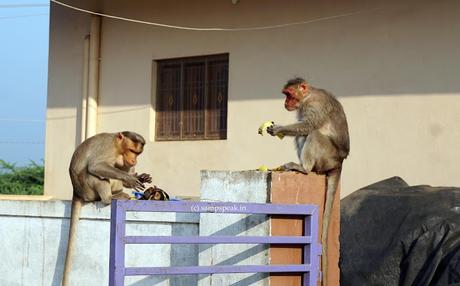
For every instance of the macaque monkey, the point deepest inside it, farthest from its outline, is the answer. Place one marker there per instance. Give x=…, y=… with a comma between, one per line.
x=100, y=167
x=322, y=141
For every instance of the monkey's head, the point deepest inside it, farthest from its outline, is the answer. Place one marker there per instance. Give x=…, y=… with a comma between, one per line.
x=130, y=146
x=295, y=90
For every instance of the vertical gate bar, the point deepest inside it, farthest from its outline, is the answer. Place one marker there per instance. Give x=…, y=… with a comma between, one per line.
x=117, y=246
x=307, y=248
x=315, y=248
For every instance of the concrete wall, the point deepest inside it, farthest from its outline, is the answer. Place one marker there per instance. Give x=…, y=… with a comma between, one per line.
x=394, y=67
x=34, y=235
x=249, y=187
x=34, y=240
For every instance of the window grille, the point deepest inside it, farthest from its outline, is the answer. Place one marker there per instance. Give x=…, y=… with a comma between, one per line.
x=192, y=96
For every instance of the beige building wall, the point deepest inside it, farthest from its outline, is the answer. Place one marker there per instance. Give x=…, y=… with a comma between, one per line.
x=394, y=65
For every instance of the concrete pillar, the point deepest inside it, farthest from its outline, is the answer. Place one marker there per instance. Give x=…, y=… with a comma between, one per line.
x=295, y=188
x=261, y=187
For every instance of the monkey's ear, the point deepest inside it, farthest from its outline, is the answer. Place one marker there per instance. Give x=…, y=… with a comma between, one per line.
x=120, y=135
x=304, y=86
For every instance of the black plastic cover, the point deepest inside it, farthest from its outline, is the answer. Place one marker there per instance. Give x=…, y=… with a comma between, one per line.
x=395, y=234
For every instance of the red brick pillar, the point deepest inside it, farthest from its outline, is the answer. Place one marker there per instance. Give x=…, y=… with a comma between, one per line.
x=296, y=188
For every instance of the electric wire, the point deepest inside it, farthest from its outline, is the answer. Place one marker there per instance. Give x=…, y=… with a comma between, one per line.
x=23, y=142
x=23, y=5
x=21, y=120
x=23, y=16
x=214, y=28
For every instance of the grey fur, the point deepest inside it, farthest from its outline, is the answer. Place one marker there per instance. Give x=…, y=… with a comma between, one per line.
x=322, y=143
x=96, y=176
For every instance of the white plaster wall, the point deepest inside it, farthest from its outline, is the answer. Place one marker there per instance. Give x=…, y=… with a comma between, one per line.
x=394, y=67
x=63, y=115
x=34, y=241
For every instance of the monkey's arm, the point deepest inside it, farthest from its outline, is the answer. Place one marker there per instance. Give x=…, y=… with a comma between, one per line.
x=295, y=129
x=312, y=119
x=105, y=171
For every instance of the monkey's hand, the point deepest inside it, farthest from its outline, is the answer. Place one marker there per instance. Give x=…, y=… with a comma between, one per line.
x=144, y=178
x=275, y=130
x=132, y=182
x=264, y=126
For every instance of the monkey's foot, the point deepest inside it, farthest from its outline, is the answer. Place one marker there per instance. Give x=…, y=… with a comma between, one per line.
x=120, y=196
x=291, y=166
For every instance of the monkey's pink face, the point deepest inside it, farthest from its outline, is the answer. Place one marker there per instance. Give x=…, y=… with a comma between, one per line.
x=130, y=152
x=292, y=100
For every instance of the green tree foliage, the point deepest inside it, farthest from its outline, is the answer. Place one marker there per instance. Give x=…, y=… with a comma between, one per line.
x=26, y=180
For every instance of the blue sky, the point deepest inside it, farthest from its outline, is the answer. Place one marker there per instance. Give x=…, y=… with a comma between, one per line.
x=24, y=34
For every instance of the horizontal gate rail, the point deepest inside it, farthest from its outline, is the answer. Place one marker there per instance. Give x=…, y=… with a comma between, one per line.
x=215, y=207
x=184, y=270
x=118, y=238
x=217, y=239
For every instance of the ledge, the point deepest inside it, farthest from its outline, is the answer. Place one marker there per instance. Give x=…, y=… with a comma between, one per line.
x=92, y=211
x=24, y=198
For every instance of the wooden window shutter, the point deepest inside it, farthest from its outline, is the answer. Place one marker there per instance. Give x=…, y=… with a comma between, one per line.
x=217, y=98
x=168, y=101
x=192, y=96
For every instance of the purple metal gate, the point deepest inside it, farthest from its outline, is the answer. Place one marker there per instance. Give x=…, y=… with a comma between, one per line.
x=118, y=238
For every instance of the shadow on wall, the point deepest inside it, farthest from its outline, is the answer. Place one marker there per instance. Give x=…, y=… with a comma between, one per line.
x=393, y=48
x=179, y=251
x=62, y=248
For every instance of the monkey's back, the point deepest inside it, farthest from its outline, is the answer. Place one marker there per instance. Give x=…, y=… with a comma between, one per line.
x=338, y=121
x=88, y=149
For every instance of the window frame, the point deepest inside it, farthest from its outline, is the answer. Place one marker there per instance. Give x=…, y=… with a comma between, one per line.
x=159, y=98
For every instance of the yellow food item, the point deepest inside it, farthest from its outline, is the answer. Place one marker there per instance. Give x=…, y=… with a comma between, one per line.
x=264, y=126
x=263, y=168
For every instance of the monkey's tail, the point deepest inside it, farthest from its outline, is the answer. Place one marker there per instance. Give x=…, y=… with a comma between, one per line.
x=333, y=178
x=74, y=218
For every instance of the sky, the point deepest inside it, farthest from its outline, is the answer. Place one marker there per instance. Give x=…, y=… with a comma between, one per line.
x=24, y=36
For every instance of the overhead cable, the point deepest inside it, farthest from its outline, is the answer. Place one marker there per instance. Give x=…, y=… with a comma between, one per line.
x=215, y=28
x=23, y=16
x=23, y=5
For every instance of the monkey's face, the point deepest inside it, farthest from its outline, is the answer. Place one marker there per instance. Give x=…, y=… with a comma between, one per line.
x=292, y=101
x=130, y=152
x=294, y=95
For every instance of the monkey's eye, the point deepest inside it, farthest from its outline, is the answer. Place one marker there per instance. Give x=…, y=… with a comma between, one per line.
x=288, y=94
x=134, y=151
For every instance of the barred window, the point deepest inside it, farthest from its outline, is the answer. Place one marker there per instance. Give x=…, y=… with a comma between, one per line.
x=192, y=95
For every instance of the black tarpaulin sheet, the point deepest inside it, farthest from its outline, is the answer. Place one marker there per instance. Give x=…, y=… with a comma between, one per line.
x=395, y=234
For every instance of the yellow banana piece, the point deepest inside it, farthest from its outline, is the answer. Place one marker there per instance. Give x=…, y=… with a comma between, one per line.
x=265, y=125
x=263, y=168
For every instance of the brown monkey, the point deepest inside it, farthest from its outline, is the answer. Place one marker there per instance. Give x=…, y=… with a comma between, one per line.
x=322, y=141
x=100, y=167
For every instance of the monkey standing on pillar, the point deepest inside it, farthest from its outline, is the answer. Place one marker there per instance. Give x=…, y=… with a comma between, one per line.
x=322, y=142
x=100, y=167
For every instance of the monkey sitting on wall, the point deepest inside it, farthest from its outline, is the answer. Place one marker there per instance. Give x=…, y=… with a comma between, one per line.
x=100, y=167
x=322, y=141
